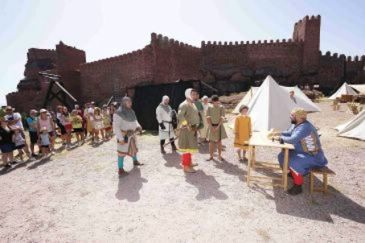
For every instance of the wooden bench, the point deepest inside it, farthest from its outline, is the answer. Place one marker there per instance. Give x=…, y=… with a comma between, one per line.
x=325, y=171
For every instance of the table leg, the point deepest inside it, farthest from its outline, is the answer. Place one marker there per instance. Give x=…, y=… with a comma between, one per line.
x=253, y=156
x=249, y=163
x=285, y=169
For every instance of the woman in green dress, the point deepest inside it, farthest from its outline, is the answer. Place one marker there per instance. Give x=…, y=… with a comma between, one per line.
x=216, y=131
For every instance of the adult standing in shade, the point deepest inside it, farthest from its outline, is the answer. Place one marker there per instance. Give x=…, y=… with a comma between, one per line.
x=164, y=119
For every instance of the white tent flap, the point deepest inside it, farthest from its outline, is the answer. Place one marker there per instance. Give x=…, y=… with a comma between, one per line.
x=345, y=89
x=270, y=107
x=355, y=128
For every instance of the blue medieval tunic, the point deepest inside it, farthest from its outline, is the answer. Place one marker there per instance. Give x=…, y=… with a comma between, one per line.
x=307, y=153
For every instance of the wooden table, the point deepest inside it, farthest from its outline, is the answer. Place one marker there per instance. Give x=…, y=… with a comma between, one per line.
x=260, y=139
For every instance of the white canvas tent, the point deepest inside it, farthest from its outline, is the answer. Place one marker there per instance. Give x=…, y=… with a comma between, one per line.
x=302, y=99
x=359, y=87
x=246, y=99
x=345, y=89
x=271, y=106
x=355, y=128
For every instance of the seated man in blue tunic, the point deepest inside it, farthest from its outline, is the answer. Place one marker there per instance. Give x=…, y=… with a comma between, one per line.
x=307, y=153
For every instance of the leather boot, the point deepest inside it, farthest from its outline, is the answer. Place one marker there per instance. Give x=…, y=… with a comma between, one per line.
x=189, y=169
x=162, y=149
x=173, y=146
x=122, y=172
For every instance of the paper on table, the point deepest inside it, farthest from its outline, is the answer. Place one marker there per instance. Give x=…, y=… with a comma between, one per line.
x=261, y=139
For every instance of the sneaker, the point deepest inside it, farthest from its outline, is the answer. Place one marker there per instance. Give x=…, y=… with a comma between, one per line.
x=295, y=190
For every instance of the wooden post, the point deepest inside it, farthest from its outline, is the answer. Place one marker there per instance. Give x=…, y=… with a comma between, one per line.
x=325, y=181
x=285, y=169
x=311, y=183
x=250, y=155
x=253, y=156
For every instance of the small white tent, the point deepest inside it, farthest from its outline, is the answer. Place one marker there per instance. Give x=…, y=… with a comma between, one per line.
x=355, y=128
x=359, y=87
x=302, y=99
x=345, y=89
x=245, y=100
x=270, y=107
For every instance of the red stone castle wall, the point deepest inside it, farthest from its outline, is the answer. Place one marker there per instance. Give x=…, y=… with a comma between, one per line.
x=296, y=61
x=101, y=79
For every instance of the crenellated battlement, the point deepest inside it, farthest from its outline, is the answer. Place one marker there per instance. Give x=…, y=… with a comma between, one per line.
x=308, y=19
x=348, y=59
x=160, y=40
x=36, y=53
x=259, y=43
x=120, y=58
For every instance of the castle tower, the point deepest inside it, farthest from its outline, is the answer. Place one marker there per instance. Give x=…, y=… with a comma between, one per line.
x=307, y=31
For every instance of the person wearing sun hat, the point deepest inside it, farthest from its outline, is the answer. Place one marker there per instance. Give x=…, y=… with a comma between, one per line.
x=307, y=153
x=14, y=119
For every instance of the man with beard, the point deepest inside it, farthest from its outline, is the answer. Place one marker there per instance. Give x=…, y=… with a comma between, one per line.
x=307, y=153
x=164, y=119
x=189, y=121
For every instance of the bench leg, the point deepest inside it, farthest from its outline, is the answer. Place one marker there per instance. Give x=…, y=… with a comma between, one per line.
x=325, y=183
x=311, y=183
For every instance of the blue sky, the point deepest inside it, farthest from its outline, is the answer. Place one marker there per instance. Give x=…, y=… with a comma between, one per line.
x=106, y=28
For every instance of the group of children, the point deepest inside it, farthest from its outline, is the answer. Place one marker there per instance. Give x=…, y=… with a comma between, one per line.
x=92, y=120
x=45, y=127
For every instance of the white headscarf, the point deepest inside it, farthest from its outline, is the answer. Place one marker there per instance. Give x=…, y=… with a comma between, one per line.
x=164, y=98
x=188, y=94
x=165, y=107
x=205, y=97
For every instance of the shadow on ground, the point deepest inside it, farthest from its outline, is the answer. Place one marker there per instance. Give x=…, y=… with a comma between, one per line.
x=206, y=184
x=130, y=185
x=318, y=206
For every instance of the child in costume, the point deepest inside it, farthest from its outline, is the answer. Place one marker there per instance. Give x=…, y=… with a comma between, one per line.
x=216, y=131
x=242, y=132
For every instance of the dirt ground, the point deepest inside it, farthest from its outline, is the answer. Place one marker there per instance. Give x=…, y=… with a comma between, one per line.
x=77, y=196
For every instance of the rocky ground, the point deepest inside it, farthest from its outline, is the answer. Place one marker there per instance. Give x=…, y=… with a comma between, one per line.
x=77, y=196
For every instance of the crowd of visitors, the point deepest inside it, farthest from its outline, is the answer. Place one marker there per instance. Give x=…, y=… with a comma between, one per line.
x=44, y=126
